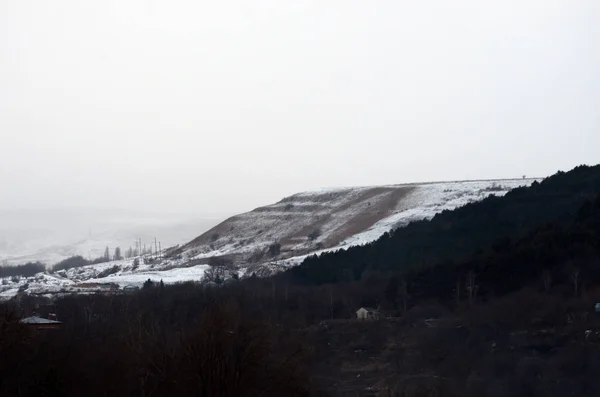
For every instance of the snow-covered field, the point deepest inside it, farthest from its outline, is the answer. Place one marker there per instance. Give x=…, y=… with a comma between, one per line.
x=171, y=276
x=89, y=279
x=344, y=218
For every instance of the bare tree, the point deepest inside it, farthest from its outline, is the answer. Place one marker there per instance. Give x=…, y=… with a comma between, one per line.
x=331, y=301
x=403, y=288
x=547, y=280
x=117, y=255
x=458, y=292
x=471, y=287
x=575, y=280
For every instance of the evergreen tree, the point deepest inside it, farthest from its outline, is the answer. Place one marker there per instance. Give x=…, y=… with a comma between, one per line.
x=148, y=284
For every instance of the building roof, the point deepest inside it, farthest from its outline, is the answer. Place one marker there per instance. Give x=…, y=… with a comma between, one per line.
x=369, y=309
x=38, y=320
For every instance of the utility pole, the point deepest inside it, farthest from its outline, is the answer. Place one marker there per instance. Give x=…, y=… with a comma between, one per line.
x=159, y=250
x=155, y=249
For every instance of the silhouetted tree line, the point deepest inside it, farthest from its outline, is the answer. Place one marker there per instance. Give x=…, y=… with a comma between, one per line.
x=184, y=340
x=551, y=256
x=79, y=261
x=71, y=262
x=452, y=236
x=29, y=269
x=261, y=337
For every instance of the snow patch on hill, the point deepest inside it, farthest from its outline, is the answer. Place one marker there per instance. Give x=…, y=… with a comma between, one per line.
x=430, y=199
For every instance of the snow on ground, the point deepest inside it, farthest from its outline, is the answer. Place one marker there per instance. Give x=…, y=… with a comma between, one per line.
x=289, y=222
x=171, y=276
x=8, y=293
x=332, y=211
x=41, y=282
x=422, y=202
x=87, y=279
x=430, y=199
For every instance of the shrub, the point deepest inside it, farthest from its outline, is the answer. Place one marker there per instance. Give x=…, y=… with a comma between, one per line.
x=314, y=234
x=148, y=284
x=109, y=271
x=69, y=263
x=220, y=261
x=256, y=256
x=274, y=249
x=101, y=259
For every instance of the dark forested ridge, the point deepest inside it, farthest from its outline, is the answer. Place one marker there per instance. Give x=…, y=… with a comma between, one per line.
x=182, y=340
x=452, y=236
x=554, y=254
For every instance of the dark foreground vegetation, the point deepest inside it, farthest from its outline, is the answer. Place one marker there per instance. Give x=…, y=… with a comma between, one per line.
x=494, y=299
x=163, y=341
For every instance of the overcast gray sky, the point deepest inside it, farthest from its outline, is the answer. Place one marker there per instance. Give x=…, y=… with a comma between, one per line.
x=221, y=106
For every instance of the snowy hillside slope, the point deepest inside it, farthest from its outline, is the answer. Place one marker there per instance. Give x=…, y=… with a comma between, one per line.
x=300, y=225
x=311, y=222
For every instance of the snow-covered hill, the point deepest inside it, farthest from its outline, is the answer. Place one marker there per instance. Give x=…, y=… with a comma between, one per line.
x=310, y=222
x=274, y=237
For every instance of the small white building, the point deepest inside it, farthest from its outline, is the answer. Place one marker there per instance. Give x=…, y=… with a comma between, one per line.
x=367, y=313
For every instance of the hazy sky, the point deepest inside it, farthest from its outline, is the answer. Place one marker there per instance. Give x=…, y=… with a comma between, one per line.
x=221, y=106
